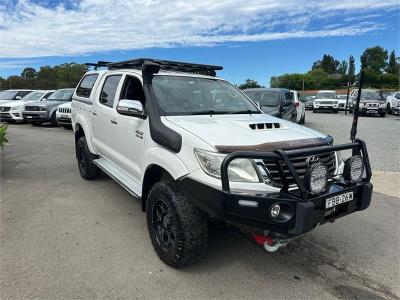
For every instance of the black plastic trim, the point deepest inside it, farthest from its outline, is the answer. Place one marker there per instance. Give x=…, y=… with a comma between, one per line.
x=160, y=133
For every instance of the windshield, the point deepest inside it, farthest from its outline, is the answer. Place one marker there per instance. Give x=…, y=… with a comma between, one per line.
x=34, y=96
x=9, y=95
x=61, y=95
x=265, y=98
x=178, y=95
x=369, y=95
x=326, y=95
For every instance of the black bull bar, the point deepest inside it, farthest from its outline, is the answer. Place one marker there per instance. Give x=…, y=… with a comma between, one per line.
x=358, y=147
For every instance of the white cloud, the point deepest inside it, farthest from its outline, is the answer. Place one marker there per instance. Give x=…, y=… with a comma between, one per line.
x=32, y=30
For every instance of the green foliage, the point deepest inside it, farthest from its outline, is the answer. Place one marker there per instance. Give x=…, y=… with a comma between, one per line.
x=56, y=77
x=374, y=58
x=28, y=73
x=342, y=69
x=328, y=64
x=393, y=67
x=249, y=84
x=3, y=133
x=329, y=73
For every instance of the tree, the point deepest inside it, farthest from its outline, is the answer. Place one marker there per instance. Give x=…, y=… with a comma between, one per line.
x=342, y=69
x=352, y=70
x=374, y=58
x=28, y=73
x=249, y=84
x=392, y=66
x=328, y=64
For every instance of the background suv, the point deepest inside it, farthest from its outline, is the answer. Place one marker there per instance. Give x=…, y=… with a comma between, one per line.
x=12, y=111
x=13, y=95
x=45, y=111
x=275, y=102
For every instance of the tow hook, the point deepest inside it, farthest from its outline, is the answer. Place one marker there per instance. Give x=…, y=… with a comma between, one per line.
x=270, y=244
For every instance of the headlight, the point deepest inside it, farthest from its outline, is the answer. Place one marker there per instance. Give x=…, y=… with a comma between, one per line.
x=239, y=170
x=354, y=169
x=18, y=107
x=317, y=178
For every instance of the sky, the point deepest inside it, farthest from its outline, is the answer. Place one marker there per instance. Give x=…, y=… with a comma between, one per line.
x=253, y=39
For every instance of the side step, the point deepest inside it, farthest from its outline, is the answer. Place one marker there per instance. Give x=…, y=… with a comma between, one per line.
x=120, y=176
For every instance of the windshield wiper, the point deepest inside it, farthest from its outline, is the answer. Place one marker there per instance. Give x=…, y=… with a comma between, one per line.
x=210, y=112
x=248, y=111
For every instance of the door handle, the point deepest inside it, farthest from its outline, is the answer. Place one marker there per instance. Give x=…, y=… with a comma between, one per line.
x=114, y=122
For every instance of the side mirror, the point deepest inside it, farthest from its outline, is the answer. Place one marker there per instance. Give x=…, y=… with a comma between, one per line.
x=132, y=108
x=18, y=98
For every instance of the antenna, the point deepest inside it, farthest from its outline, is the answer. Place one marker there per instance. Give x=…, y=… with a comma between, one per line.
x=353, y=131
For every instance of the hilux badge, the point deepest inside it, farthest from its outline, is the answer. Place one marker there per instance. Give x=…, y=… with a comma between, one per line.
x=313, y=159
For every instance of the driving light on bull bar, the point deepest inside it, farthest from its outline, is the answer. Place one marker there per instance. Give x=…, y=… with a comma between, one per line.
x=317, y=178
x=354, y=169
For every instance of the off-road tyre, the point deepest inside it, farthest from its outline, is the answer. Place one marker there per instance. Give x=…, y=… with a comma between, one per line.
x=382, y=115
x=178, y=231
x=335, y=111
x=314, y=110
x=87, y=168
x=36, y=123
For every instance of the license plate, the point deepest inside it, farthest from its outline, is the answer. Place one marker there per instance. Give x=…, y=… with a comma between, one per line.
x=29, y=117
x=339, y=199
x=64, y=116
x=371, y=111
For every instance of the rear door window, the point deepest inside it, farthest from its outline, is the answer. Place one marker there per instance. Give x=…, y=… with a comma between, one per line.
x=86, y=85
x=107, y=95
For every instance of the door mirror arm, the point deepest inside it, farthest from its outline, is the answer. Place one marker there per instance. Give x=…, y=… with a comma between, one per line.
x=133, y=108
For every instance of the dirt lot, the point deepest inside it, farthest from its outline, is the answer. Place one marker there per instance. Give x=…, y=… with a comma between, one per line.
x=64, y=237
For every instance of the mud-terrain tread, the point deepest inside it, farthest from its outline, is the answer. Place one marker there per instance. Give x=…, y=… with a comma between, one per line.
x=191, y=226
x=91, y=171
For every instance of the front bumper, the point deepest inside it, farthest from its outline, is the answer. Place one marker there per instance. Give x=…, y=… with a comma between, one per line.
x=234, y=208
x=37, y=116
x=368, y=111
x=326, y=107
x=250, y=211
x=11, y=116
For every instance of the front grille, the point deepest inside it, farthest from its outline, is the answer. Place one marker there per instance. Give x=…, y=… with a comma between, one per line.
x=5, y=108
x=372, y=104
x=300, y=165
x=64, y=110
x=33, y=108
x=326, y=102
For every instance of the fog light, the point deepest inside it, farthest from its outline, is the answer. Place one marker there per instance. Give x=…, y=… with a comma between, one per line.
x=275, y=210
x=317, y=178
x=354, y=169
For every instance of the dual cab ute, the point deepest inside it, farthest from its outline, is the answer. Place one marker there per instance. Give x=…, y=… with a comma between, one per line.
x=194, y=149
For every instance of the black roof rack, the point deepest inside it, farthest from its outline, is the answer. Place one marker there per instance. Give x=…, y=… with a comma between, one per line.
x=168, y=65
x=99, y=64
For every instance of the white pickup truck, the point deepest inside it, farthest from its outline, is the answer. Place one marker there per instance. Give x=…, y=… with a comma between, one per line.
x=194, y=149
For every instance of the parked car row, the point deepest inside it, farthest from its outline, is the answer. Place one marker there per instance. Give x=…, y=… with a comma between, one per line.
x=37, y=106
x=371, y=102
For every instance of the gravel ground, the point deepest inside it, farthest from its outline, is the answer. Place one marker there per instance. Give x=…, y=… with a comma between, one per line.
x=64, y=237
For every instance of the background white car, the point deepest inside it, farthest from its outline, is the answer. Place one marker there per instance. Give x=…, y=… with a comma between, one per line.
x=300, y=108
x=12, y=110
x=63, y=115
x=327, y=101
x=391, y=102
x=13, y=95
